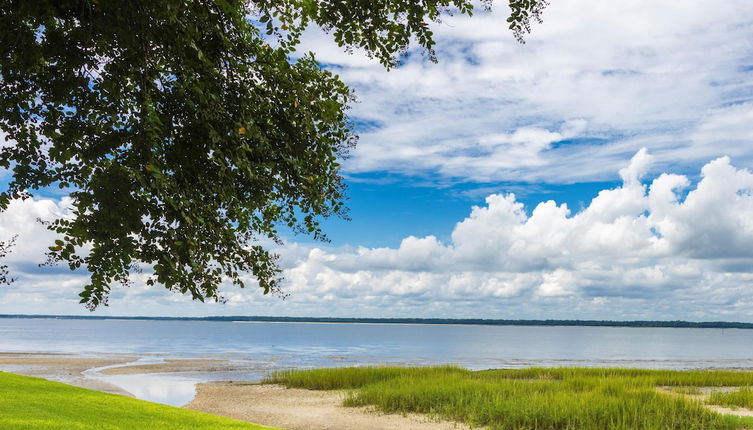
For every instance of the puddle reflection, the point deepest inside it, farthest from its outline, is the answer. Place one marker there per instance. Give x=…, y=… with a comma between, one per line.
x=175, y=389
x=167, y=389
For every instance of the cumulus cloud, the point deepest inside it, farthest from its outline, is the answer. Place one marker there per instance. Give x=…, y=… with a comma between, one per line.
x=660, y=248
x=654, y=244
x=23, y=219
x=593, y=84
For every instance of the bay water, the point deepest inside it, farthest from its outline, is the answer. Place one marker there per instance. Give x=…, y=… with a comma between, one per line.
x=304, y=345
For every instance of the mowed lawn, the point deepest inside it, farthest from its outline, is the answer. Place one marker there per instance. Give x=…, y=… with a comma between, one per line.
x=541, y=398
x=37, y=404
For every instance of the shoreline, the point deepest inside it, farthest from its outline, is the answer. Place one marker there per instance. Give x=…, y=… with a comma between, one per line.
x=270, y=405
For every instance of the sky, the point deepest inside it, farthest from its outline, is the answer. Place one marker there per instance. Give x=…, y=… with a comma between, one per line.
x=601, y=170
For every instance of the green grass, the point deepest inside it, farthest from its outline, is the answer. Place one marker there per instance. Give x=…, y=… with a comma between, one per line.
x=534, y=398
x=355, y=377
x=743, y=398
x=36, y=404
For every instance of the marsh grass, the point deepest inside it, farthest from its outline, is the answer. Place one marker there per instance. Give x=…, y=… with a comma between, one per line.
x=742, y=398
x=533, y=398
x=355, y=377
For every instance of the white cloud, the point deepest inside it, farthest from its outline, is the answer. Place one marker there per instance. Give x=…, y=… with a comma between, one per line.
x=639, y=243
x=671, y=76
x=666, y=248
x=22, y=220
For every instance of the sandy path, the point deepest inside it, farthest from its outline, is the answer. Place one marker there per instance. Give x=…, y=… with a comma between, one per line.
x=62, y=367
x=297, y=409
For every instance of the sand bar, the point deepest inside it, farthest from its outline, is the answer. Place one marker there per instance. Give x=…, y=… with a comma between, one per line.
x=180, y=365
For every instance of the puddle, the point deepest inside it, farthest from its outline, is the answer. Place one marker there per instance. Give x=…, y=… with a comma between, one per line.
x=154, y=387
x=173, y=390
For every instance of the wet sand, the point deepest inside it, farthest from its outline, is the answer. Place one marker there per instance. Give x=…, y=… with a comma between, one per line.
x=179, y=365
x=298, y=409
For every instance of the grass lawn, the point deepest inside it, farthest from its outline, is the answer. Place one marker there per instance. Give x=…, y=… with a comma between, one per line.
x=536, y=398
x=31, y=403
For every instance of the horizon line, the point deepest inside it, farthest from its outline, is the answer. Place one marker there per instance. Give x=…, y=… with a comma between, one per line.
x=411, y=320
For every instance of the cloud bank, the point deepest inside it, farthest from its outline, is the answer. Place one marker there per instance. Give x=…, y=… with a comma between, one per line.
x=663, y=248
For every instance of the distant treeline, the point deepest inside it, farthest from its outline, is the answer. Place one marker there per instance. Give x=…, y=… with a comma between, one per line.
x=445, y=321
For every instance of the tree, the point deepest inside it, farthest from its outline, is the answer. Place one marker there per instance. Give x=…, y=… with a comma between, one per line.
x=186, y=131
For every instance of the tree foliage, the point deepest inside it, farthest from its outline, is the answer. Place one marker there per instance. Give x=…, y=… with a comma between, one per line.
x=187, y=131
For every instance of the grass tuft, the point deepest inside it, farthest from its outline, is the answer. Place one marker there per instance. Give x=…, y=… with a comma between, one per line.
x=742, y=398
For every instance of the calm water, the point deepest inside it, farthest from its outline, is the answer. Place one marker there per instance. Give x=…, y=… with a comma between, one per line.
x=299, y=345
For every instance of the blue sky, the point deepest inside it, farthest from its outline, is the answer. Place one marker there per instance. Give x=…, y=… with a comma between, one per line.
x=601, y=170
x=384, y=209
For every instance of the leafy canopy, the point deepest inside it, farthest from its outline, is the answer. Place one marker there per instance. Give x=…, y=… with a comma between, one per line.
x=186, y=131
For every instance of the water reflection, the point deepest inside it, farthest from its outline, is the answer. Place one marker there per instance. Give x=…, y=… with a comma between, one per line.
x=168, y=389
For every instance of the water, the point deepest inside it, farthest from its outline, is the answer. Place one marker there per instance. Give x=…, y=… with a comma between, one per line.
x=174, y=390
x=265, y=347
x=302, y=345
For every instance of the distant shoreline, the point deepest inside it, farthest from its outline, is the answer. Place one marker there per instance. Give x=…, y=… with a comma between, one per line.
x=411, y=321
